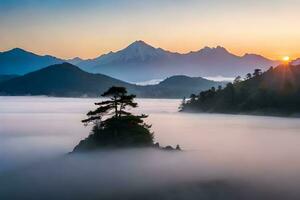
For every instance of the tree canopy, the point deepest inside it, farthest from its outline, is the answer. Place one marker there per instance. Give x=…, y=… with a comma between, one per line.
x=114, y=125
x=118, y=101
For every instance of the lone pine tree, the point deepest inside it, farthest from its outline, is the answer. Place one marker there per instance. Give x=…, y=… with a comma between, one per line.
x=114, y=125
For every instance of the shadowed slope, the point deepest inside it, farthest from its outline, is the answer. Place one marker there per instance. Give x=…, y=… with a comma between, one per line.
x=68, y=80
x=276, y=91
x=59, y=80
x=19, y=61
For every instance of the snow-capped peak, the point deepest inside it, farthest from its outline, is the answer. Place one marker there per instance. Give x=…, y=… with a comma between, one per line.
x=137, y=51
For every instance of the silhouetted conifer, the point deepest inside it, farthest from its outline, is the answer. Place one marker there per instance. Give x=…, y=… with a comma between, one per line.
x=114, y=126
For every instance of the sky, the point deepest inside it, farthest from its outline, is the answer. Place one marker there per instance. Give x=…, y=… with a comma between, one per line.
x=88, y=29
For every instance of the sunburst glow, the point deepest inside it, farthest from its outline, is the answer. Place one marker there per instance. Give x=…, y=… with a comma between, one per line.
x=286, y=58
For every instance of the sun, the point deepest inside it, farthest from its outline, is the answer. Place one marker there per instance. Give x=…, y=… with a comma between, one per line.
x=286, y=58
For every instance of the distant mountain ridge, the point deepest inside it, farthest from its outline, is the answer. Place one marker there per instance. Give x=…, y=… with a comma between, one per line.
x=153, y=63
x=68, y=80
x=18, y=61
x=142, y=62
x=138, y=51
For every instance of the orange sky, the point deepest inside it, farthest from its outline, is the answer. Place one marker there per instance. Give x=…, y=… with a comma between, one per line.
x=66, y=30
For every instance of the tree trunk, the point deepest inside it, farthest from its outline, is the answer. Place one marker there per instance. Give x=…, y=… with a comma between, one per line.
x=116, y=106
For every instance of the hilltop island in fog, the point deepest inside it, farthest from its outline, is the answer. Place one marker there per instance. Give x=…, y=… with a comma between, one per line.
x=275, y=92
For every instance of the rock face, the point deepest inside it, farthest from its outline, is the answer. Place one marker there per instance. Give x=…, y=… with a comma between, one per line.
x=170, y=148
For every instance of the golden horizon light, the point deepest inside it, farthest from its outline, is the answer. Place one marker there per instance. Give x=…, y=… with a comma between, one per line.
x=286, y=58
x=245, y=28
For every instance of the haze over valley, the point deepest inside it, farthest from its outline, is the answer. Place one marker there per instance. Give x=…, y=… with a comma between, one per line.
x=149, y=100
x=225, y=156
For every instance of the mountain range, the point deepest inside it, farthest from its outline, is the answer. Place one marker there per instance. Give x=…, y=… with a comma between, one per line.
x=67, y=80
x=142, y=62
x=18, y=61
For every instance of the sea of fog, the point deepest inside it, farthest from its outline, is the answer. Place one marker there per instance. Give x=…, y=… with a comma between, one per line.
x=224, y=157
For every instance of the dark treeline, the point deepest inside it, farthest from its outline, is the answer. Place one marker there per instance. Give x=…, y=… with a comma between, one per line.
x=276, y=91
